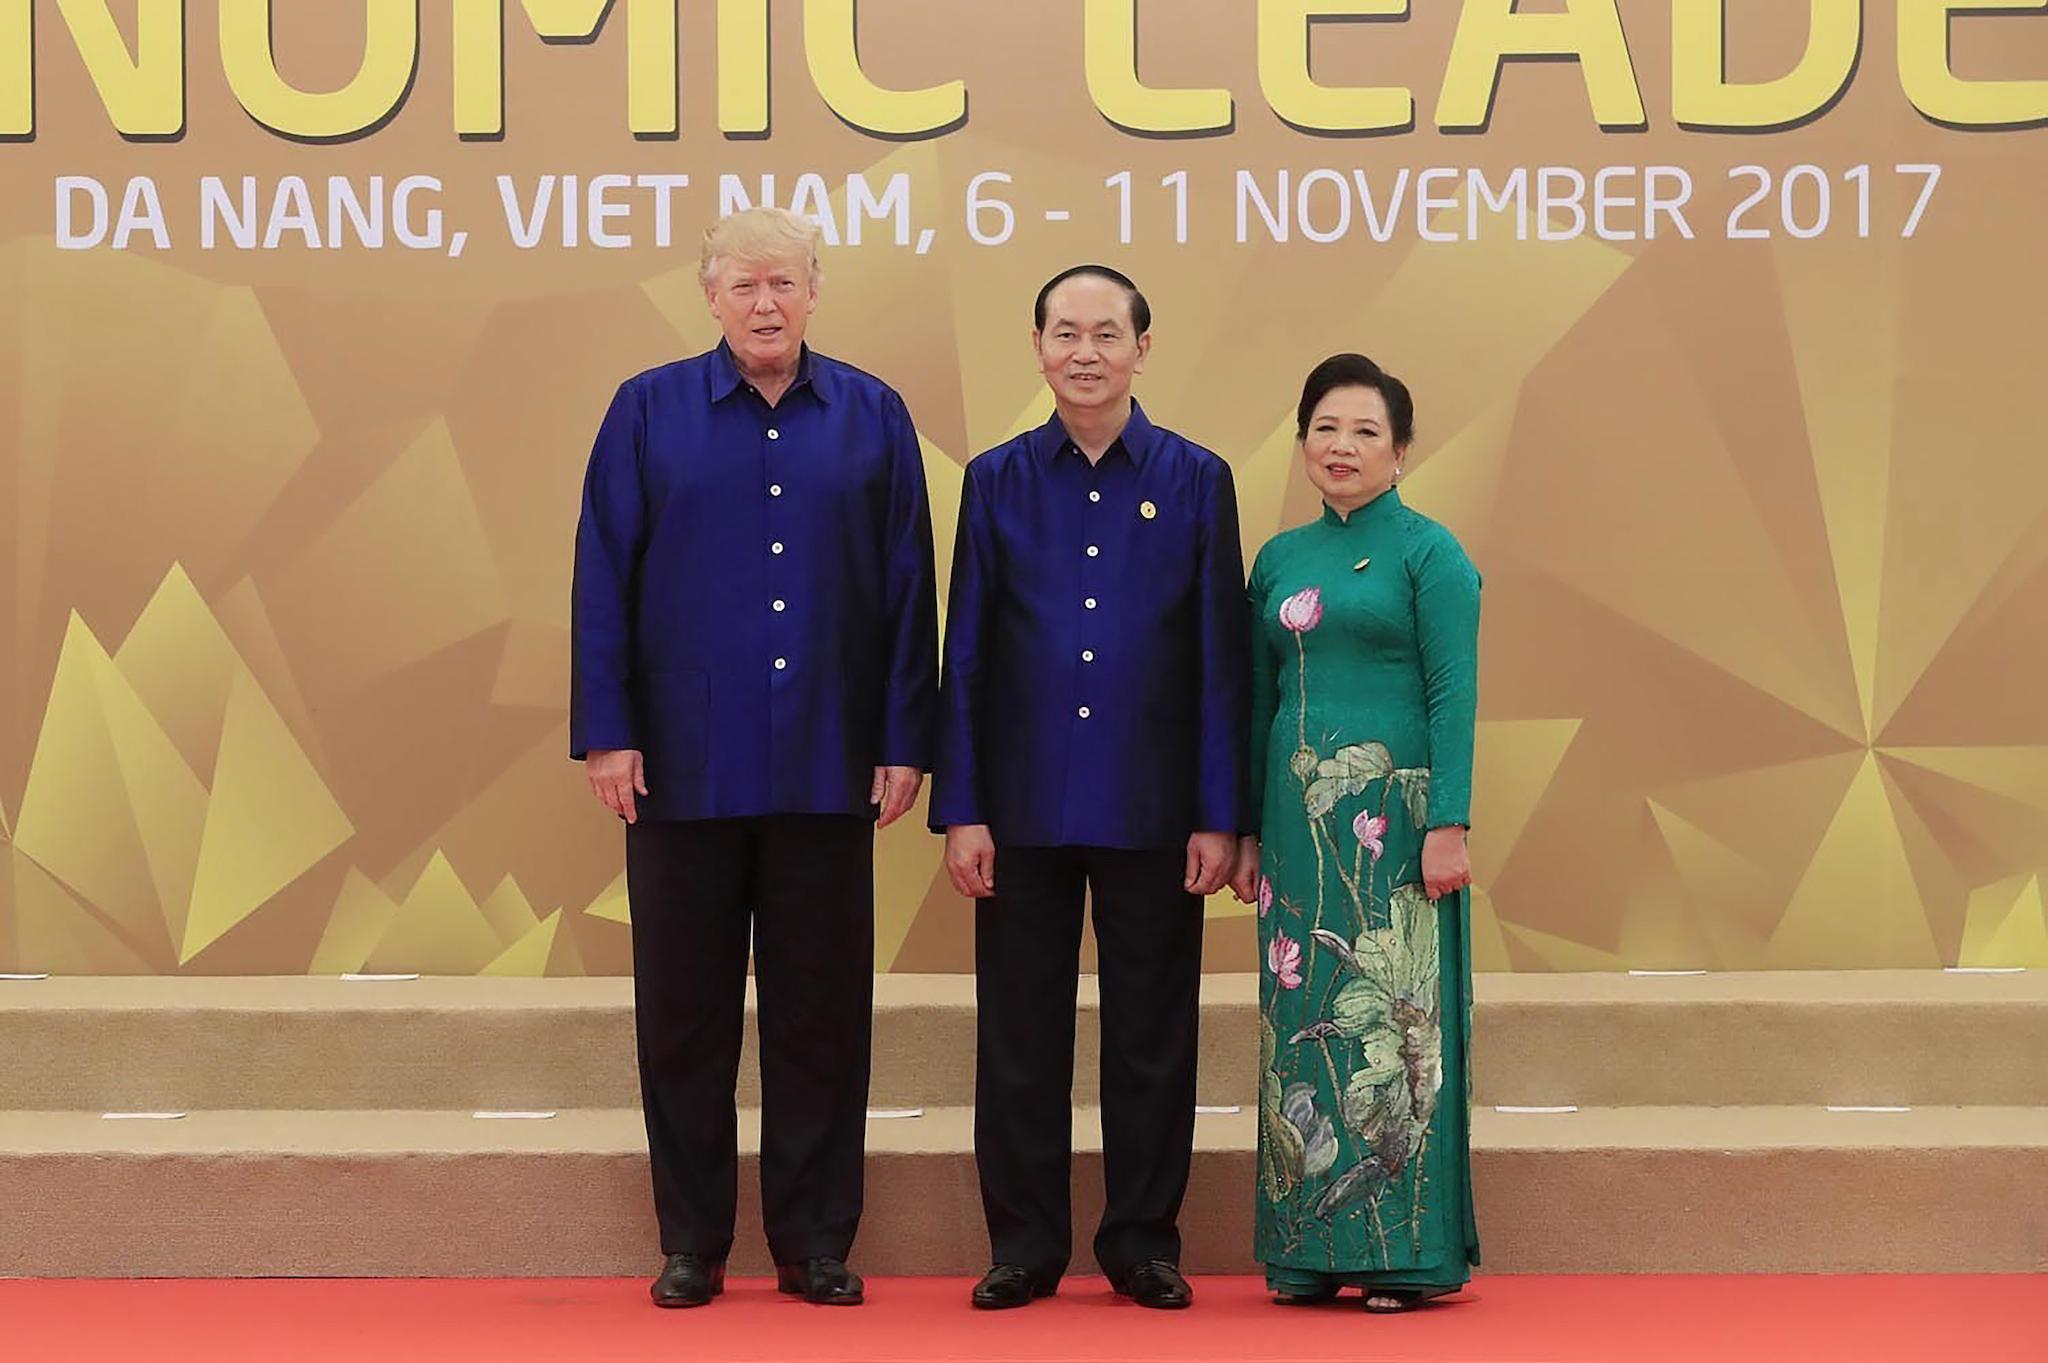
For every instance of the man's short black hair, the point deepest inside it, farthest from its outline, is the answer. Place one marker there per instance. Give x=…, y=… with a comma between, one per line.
x=1141, y=311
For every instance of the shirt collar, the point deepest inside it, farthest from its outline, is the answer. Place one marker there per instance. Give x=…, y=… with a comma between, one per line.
x=1139, y=436
x=726, y=379
x=1379, y=506
x=1367, y=514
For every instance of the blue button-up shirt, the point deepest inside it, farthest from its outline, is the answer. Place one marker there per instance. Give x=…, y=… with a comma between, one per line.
x=754, y=606
x=1095, y=685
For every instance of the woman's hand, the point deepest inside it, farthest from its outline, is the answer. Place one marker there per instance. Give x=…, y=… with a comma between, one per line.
x=1446, y=868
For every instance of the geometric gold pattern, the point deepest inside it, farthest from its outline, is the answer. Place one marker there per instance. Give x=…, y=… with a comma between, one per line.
x=1763, y=524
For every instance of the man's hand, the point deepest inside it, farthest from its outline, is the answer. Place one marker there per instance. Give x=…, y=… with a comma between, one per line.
x=971, y=859
x=616, y=775
x=1211, y=859
x=1244, y=879
x=895, y=790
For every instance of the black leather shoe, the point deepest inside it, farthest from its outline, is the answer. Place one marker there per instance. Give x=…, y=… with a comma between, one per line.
x=688, y=1280
x=1007, y=1285
x=822, y=1282
x=1157, y=1284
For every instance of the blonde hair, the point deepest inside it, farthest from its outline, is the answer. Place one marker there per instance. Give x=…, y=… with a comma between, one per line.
x=759, y=234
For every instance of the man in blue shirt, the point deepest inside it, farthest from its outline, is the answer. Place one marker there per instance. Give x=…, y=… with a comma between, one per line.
x=754, y=680
x=1092, y=737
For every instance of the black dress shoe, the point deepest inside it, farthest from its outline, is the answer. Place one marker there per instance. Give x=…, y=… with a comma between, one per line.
x=688, y=1280
x=1007, y=1285
x=822, y=1282
x=1157, y=1284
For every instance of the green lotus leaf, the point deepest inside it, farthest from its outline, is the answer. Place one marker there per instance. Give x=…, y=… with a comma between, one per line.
x=1360, y=1007
x=1348, y=773
x=1280, y=1157
x=1414, y=783
x=1378, y=1088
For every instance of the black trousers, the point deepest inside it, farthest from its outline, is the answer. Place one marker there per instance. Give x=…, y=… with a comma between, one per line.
x=1027, y=944
x=802, y=888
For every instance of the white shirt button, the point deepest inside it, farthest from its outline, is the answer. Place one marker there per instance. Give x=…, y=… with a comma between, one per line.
x=1093, y=552
x=1087, y=655
x=775, y=548
x=775, y=489
x=1089, y=603
x=1094, y=496
x=781, y=606
x=774, y=434
x=781, y=663
x=1084, y=712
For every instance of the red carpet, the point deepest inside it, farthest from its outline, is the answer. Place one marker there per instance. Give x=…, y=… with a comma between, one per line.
x=1500, y=1320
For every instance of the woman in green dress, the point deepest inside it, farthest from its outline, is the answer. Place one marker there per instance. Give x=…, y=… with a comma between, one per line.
x=1365, y=645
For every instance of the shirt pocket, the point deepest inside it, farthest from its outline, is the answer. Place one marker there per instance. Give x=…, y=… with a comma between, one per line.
x=1161, y=552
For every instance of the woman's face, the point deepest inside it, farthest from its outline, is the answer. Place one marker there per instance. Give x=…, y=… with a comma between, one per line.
x=1349, y=449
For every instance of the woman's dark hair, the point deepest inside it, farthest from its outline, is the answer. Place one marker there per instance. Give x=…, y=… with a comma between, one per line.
x=1356, y=371
x=1141, y=311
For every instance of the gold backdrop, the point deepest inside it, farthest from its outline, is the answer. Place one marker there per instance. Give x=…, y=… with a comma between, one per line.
x=286, y=532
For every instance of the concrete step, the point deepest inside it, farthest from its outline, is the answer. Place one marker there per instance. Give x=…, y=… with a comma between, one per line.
x=439, y=1193
x=1915, y=1037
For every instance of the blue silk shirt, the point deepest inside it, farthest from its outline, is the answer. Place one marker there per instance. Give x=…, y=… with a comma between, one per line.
x=1095, y=690
x=754, y=606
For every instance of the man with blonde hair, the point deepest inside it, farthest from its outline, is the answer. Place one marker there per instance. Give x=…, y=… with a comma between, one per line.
x=755, y=671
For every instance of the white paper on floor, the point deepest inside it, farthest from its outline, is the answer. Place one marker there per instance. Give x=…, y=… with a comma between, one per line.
x=1208, y=1110
x=893, y=1114
x=1537, y=1111
x=354, y=977
x=1855, y=1107
x=141, y=1116
x=26, y=975
x=512, y=1116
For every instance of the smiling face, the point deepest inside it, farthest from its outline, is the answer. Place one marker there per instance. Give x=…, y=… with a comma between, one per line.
x=1349, y=448
x=1089, y=349
x=763, y=306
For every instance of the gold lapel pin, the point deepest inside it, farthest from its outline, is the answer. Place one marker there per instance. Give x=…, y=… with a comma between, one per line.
x=1360, y=566
x=1147, y=510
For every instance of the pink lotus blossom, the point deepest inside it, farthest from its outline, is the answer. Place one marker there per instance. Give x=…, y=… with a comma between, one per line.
x=1303, y=611
x=1283, y=954
x=1265, y=896
x=1370, y=830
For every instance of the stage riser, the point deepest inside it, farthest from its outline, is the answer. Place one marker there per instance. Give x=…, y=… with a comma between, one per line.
x=330, y=1128
x=449, y=1053
x=579, y=1214
x=1761, y=1053
x=496, y=1059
